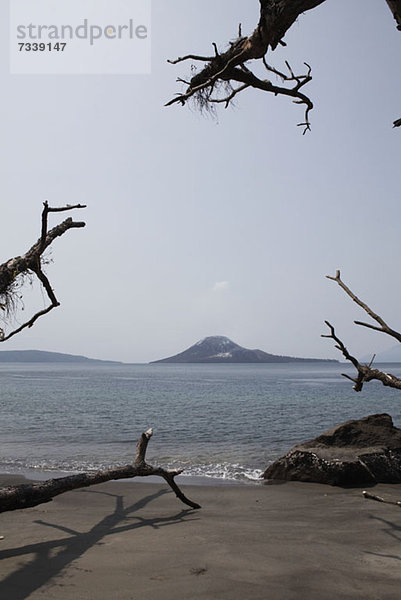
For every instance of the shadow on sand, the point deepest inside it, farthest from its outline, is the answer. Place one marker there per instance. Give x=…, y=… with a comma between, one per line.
x=391, y=529
x=52, y=557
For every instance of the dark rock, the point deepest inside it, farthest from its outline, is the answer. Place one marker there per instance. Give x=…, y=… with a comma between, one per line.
x=360, y=452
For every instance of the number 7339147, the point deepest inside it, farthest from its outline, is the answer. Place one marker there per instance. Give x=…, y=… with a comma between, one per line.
x=42, y=46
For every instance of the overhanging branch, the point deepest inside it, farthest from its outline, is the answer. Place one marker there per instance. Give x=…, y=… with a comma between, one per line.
x=215, y=82
x=222, y=69
x=13, y=271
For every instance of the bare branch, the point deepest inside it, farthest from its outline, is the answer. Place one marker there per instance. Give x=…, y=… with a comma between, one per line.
x=365, y=372
x=29, y=495
x=15, y=269
x=198, y=83
x=340, y=346
x=371, y=362
x=63, y=208
x=190, y=57
x=384, y=328
x=243, y=75
x=45, y=212
x=230, y=97
x=368, y=496
x=28, y=324
x=300, y=79
x=276, y=17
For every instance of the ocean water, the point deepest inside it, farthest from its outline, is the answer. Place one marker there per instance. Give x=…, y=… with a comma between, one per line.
x=227, y=422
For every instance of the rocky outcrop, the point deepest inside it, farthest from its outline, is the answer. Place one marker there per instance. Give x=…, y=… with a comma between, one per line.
x=360, y=452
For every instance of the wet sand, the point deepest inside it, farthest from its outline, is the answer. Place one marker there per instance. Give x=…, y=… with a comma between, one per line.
x=131, y=541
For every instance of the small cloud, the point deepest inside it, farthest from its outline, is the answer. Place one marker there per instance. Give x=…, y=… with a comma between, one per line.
x=220, y=286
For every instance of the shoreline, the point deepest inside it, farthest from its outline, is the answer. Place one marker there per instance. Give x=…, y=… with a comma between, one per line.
x=31, y=475
x=136, y=540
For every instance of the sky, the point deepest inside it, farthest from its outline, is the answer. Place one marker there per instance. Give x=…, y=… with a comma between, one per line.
x=200, y=226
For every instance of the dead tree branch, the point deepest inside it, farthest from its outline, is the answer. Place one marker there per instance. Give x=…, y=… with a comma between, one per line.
x=14, y=271
x=368, y=496
x=29, y=495
x=365, y=373
x=223, y=69
x=383, y=326
x=214, y=82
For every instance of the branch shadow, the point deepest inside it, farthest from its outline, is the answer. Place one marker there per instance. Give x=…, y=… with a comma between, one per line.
x=391, y=529
x=52, y=557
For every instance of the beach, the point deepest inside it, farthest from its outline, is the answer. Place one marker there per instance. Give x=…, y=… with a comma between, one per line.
x=136, y=540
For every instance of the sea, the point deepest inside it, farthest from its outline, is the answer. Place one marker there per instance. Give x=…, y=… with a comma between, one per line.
x=220, y=423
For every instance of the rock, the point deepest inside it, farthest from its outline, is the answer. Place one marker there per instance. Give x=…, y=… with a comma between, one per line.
x=360, y=452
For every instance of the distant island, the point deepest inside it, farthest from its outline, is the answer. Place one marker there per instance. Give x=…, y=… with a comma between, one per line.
x=220, y=349
x=39, y=356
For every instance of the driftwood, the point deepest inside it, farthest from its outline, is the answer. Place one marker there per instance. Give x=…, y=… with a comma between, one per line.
x=225, y=74
x=368, y=496
x=365, y=373
x=29, y=495
x=13, y=272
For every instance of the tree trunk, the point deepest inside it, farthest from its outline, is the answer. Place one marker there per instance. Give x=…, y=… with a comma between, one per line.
x=276, y=17
x=395, y=7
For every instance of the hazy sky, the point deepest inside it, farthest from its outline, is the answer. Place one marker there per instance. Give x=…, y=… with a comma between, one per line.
x=200, y=227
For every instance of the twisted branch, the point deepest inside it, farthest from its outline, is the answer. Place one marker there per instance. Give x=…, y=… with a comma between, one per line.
x=384, y=328
x=365, y=373
x=221, y=70
x=13, y=271
x=276, y=17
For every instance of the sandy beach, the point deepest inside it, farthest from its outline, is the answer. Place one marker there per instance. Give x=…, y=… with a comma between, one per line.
x=131, y=541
